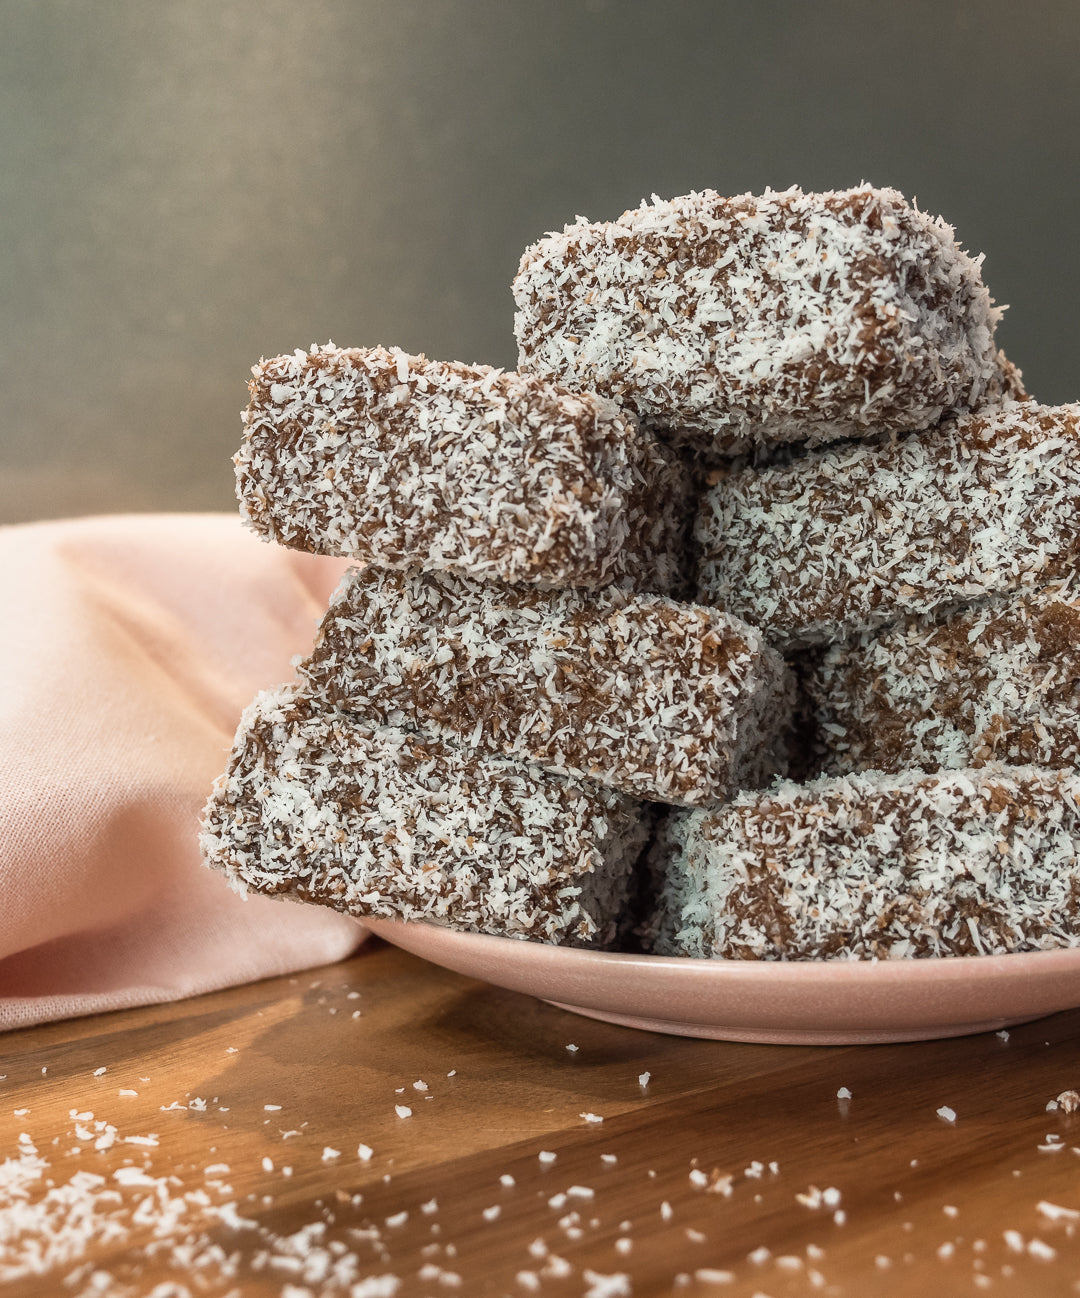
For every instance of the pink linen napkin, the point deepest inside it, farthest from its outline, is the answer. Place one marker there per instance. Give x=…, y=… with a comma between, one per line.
x=128, y=648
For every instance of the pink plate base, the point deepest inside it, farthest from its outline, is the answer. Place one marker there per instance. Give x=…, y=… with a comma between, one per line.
x=771, y=1002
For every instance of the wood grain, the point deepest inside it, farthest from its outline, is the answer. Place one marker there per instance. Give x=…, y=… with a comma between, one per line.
x=735, y=1170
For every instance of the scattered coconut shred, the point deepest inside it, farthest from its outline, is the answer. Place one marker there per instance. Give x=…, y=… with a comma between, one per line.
x=196, y=1233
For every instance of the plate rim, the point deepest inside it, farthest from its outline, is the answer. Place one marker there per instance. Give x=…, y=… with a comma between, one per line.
x=916, y=968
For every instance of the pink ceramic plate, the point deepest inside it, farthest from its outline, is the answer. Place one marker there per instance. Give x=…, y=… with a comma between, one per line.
x=822, y=1003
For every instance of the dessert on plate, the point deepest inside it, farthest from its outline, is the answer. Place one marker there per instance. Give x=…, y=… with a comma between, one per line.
x=739, y=618
x=663, y=700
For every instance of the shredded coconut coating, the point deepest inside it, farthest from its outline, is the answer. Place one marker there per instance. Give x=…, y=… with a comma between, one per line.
x=660, y=513
x=665, y=701
x=788, y=316
x=996, y=682
x=374, y=821
x=854, y=537
x=875, y=866
x=400, y=461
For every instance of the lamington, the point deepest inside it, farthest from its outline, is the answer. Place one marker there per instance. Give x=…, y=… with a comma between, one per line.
x=402, y=462
x=998, y=681
x=663, y=700
x=859, y=535
x=788, y=316
x=375, y=821
x=874, y=866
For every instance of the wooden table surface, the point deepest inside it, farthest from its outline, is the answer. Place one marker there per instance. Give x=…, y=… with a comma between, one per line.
x=383, y=1127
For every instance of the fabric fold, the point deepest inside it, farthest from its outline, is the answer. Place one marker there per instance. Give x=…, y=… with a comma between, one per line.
x=129, y=646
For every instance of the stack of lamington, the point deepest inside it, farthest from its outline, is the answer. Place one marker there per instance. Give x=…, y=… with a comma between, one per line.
x=511, y=680
x=500, y=682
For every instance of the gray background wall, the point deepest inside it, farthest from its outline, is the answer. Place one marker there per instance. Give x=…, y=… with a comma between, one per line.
x=190, y=185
